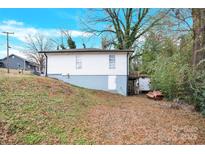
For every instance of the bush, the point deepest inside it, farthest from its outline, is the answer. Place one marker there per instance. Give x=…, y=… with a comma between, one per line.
x=168, y=66
x=169, y=75
x=197, y=87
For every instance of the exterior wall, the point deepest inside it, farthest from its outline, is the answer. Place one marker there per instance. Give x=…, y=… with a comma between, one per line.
x=94, y=73
x=98, y=82
x=92, y=64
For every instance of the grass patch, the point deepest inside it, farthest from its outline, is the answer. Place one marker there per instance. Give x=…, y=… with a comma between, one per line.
x=81, y=141
x=32, y=138
x=42, y=110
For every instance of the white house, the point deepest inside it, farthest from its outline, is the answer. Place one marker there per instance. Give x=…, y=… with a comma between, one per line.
x=90, y=68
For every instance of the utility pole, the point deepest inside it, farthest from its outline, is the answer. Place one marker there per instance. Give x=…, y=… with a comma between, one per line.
x=7, y=38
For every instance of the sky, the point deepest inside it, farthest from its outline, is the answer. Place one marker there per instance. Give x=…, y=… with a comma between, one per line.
x=45, y=21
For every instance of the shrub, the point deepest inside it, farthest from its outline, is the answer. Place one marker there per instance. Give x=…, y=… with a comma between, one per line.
x=168, y=74
x=168, y=66
x=197, y=87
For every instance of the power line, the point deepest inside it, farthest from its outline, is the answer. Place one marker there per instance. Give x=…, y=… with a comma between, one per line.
x=7, y=38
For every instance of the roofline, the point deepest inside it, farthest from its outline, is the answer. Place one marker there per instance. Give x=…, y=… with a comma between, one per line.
x=86, y=50
x=14, y=55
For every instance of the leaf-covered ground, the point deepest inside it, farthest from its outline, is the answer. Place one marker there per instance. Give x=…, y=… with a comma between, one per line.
x=38, y=110
x=137, y=120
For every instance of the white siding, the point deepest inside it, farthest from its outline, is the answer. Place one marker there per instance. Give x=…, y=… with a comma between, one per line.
x=92, y=64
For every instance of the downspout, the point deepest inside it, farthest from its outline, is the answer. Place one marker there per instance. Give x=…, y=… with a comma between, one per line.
x=127, y=71
x=46, y=64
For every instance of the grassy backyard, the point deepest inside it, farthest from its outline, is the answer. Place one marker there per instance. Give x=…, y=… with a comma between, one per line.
x=38, y=110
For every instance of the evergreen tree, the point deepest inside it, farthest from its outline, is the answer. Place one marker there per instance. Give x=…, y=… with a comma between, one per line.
x=71, y=43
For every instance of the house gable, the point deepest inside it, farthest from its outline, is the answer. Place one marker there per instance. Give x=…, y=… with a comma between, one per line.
x=16, y=62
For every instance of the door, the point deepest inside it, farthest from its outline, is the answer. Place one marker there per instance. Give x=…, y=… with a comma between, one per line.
x=112, y=82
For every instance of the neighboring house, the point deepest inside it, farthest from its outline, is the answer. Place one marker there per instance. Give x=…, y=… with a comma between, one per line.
x=16, y=62
x=1, y=64
x=90, y=68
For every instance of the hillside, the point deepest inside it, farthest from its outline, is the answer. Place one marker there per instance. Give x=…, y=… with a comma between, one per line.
x=39, y=110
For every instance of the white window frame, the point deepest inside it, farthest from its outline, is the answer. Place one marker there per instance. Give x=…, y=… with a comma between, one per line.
x=78, y=62
x=112, y=61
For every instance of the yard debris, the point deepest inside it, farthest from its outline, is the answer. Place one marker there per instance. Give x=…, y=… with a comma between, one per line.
x=156, y=95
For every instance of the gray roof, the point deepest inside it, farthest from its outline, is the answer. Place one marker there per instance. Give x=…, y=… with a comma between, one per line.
x=87, y=50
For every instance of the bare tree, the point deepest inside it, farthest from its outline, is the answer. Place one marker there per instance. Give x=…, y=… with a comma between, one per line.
x=36, y=43
x=124, y=26
x=59, y=41
x=105, y=43
x=181, y=19
x=191, y=20
x=64, y=41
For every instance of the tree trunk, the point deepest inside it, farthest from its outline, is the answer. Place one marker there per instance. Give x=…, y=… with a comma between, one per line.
x=196, y=25
x=198, y=16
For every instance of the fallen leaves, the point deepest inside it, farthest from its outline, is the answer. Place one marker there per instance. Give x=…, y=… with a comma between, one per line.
x=142, y=121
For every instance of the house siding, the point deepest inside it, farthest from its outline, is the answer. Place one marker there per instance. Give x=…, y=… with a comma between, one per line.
x=94, y=72
x=92, y=64
x=97, y=82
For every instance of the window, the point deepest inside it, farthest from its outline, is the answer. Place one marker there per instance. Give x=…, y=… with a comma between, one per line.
x=111, y=61
x=78, y=62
